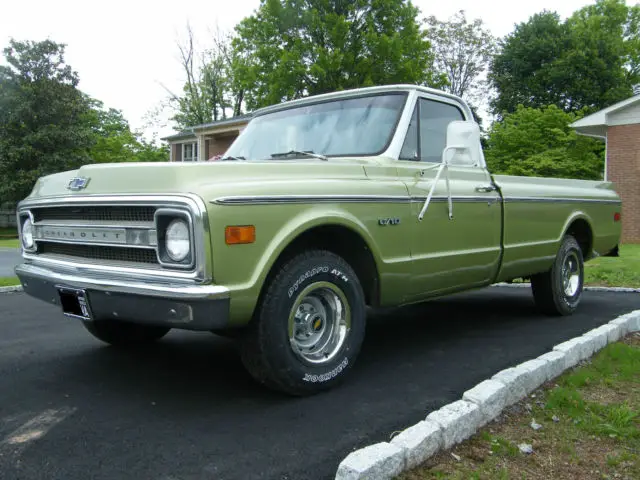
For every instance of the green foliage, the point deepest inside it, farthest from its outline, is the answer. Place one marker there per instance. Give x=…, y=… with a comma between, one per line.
x=618, y=364
x=623, y=271
x=44, y=118
x=115, y=142
x=292, y=48
x=48, y=125
x=539, y=142
x=591, y=60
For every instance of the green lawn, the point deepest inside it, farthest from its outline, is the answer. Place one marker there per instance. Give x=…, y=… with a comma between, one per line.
x=9, y=242
x=622, y=271
x=9, y=238
x=8, y=232
x=590, y=428
x=9, y=281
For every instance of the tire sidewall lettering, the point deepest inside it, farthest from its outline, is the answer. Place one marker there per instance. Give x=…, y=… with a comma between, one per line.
x=325, y=377
x=323, y=374
x=314, y=272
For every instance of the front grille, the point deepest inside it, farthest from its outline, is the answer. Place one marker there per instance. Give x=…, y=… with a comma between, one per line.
x=98, y=213
x=94, y=252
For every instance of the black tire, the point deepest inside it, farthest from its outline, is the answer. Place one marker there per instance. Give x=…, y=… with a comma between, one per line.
x=267, y=348
x=552, y=294
x=124, y=334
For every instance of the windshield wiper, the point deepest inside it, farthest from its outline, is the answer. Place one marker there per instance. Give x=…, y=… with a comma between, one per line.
x=308, y=153
x=229, y=157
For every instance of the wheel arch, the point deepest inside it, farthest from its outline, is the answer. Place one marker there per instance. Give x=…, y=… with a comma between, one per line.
x=340, y=235
x=580, y=226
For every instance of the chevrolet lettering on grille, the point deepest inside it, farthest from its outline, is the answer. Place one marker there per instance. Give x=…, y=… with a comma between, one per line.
x=82, y=235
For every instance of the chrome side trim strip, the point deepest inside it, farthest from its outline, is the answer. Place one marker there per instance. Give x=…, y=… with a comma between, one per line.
x=459, y=199
x=286, y=199
x=561, y=200
x=130, y=287
x=267, y=200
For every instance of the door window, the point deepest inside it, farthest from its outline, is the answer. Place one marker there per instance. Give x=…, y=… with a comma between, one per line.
x=434, y=119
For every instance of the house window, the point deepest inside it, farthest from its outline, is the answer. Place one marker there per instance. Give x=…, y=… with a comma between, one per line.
x=190, y=152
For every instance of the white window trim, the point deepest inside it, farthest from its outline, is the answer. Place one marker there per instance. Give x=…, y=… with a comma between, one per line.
x=194, y=146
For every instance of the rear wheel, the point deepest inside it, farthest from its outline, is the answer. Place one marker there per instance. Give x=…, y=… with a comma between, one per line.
x=558, y=291
x=308, y=329
x=123, y=334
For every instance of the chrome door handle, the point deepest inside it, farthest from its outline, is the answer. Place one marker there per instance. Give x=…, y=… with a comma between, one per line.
x=486, y=188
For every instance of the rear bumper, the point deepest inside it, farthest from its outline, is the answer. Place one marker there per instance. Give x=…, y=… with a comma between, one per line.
x=176, y=305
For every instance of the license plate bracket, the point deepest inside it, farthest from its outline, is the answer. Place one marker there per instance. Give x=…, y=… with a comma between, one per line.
x=74, y=303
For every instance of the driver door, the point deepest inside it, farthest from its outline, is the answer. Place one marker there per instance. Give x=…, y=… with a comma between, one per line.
x=448, y=254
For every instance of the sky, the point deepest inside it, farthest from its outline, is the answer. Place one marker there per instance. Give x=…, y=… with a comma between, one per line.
x=125, y=52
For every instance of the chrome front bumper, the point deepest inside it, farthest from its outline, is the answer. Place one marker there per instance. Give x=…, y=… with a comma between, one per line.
x=177, y=305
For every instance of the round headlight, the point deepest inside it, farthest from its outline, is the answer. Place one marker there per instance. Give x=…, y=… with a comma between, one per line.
x=177, y=240
x=27, y=234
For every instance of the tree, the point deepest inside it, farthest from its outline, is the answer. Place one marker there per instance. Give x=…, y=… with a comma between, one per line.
x=589, y=61
x=209, y=92
x=539, y=142
x=462, y=52
x=292, y=48
x=44, y=118
x=115, y=142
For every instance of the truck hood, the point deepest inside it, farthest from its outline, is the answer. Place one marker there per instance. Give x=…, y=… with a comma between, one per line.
x=219, y=178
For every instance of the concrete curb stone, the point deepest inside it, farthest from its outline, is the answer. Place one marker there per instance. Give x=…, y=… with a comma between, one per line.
x=634, y=324
x=380, y=461
x=490, y=396
x=11, y=288
x=538, y=373
x=419, y=442
x=555, y=363
x=461, y=419
x=515, y=381
x=587, y=289
x=627, y=323
x=612, y=331
x=575, y=350
x=458, y=420
x=600, y=338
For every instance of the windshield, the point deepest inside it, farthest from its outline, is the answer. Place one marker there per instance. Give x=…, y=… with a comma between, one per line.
x=349, y=127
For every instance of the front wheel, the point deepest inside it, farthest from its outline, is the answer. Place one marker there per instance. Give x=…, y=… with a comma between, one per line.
x=124, y=334
x=308, y=329
x=558, y=291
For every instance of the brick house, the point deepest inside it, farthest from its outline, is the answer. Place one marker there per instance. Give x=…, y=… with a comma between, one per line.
x=202, y=142
x=619, y=126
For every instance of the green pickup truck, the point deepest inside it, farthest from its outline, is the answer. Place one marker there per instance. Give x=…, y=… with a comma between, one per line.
x=321, y=207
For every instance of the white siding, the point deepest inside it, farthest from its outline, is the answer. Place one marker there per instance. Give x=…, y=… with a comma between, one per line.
x=625, y=116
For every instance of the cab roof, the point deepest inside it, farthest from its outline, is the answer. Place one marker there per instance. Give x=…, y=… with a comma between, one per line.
x=356, y=92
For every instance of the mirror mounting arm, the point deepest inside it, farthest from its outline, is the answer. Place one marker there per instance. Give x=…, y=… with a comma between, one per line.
x=444, y=167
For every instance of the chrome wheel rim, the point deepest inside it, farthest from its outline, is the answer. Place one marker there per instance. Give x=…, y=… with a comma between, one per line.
x=319, y=323
x=571, y=275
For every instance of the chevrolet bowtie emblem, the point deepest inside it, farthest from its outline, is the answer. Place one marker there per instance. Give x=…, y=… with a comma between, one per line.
x=78, y=183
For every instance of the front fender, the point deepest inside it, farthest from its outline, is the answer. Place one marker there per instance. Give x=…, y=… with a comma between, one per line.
x=244, y=268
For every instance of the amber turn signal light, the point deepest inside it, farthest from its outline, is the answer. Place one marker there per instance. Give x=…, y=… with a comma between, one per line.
x=236, y=235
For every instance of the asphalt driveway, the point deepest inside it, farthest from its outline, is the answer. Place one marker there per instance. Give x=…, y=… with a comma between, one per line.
x=71, y=408
x=9, y=258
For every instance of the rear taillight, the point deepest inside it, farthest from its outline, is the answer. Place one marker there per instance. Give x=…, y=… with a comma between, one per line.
x=617, y=217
